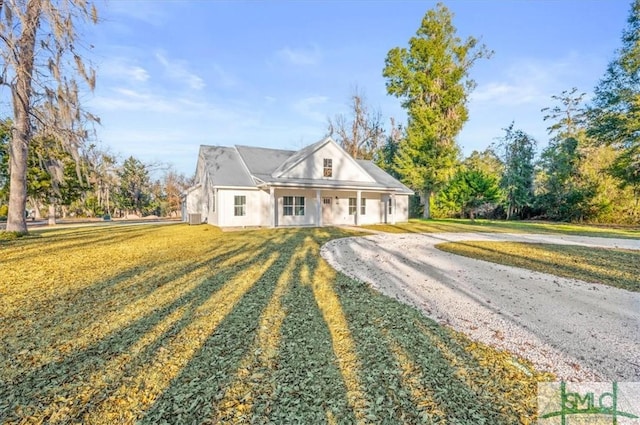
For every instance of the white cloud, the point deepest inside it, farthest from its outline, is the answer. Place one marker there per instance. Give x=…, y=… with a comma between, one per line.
x=124, y=99
x=307, y=107
x=532, y=81
x=300, y=56
x=507, y=93
x=138, y=73
x=123, y=69
x=178, y=70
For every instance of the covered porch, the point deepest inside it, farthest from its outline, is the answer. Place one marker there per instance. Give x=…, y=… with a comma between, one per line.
x=303, y=206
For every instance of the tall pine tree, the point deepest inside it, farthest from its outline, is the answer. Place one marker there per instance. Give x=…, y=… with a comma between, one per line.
x=431, y=77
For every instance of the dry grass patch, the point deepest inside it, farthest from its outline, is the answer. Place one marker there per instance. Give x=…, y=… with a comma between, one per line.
x=186, y=324
x=613, y=267
x=501, y=226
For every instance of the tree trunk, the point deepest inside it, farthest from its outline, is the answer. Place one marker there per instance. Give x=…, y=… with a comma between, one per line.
x=16, y=219
x=36, y=207
x=427, y=203
x=21, y=132
x=52, y=214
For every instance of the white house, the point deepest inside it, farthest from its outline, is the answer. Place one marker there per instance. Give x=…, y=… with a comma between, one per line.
x=318, y=185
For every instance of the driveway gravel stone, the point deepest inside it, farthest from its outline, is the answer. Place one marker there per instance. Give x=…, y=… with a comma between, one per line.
x=580, y=331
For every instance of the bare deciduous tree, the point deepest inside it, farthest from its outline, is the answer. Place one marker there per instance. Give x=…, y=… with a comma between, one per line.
x=39, y=44
x=361, y=132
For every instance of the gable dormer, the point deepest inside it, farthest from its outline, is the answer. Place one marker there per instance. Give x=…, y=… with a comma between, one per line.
x=324, y=160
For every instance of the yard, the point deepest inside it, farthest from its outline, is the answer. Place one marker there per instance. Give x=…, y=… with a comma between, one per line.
x=186, y=324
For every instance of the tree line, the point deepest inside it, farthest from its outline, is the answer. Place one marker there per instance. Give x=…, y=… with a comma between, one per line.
x=94, y=184
x=589, y=170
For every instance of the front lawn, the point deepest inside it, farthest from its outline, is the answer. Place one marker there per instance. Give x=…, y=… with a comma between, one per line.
x=186, y=324
x=502, y=226
x=613, y=267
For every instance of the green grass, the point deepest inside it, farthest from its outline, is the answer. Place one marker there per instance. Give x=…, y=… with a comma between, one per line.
x=495, y=226
x=186, y=324
x=613, y=267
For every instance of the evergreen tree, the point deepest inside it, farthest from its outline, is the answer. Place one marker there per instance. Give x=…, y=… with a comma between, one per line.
x=468, y=190
x=564, y=194
x=52, y=176
x=518, y=175
x=487, y=162
x=615, y=113
x=431, y=77
x=134, y=191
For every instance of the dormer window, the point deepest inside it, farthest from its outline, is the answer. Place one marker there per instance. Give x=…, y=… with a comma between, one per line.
x=328, y=167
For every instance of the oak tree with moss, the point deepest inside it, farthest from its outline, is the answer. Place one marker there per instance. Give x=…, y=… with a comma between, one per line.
x=39, y=46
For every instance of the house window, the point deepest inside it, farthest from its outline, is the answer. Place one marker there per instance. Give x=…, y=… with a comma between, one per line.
x=213, y=202
x=353, y=206
x=239, y=205
x=390, y=207
x=328, y=167
x=293, y=205
x=363, y=206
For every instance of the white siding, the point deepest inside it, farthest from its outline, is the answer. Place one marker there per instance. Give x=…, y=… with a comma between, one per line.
x=194, y=201
x=344, y=168
x=256, y=211
x=402, y=208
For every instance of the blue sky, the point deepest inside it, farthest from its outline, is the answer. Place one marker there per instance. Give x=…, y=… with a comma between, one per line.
x=173, y=75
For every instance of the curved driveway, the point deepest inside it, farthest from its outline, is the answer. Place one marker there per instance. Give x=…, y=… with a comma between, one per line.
x=579, y=330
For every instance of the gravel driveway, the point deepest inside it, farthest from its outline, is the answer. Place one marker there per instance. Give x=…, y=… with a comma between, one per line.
x=578, y=330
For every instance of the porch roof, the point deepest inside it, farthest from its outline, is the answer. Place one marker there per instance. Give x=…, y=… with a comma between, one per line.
x=268, y=181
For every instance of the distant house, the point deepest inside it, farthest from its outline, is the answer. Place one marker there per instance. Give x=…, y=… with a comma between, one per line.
x=318, y=185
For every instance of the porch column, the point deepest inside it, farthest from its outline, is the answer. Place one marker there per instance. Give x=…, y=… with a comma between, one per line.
x=358, y=201
x=393, y=208
x=318, y=208
x=272, y=205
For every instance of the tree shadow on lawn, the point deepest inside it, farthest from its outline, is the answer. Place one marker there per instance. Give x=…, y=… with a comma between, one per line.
x=70, y=379
x=250, y=382
x=437, y=226
x=453, y=378
x=53, y=320
x=177, y=363
x=446, y=375
x=56, y=243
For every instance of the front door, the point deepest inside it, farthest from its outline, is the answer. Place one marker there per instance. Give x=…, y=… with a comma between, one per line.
x=327, y=210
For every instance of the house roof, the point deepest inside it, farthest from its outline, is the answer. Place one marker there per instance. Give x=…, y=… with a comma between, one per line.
x=263, y=160
x=381, y=176
x=247, y=166
x=225, y=167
